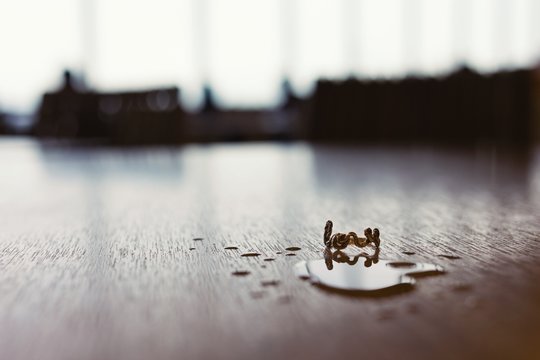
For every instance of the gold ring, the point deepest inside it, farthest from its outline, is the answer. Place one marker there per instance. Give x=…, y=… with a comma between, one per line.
x=341, y=241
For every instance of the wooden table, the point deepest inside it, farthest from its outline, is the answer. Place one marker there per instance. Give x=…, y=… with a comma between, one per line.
x=98, y=261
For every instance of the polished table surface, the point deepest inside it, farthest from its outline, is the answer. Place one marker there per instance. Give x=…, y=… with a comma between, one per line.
x=98, y=258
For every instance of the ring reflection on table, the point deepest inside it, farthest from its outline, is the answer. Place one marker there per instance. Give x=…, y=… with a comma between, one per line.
x=341, y=257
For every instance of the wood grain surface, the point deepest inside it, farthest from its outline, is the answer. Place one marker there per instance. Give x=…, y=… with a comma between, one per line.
x=98, y=258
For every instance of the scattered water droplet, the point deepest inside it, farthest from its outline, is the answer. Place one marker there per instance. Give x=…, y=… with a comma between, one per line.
x=290, y=254
x=301, y=270
x=269, y=259
x=409, y=252
x=231, y=248
x=191, y=248
x=451, y=257
x=278, y=252
x=240, y=273
x=198, y=239
x=293, y=248
x=374, y=277
x=251, y=254
x=270, y=283
x=401, y=264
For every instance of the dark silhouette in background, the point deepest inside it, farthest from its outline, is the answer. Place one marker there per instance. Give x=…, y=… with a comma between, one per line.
x=69, y=112
x=463, y=107
x=3, y=127
x=209, y=101
x=125, y=118
x=291, y=100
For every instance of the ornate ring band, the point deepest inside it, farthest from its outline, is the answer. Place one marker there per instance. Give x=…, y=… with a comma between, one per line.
x=341, y=241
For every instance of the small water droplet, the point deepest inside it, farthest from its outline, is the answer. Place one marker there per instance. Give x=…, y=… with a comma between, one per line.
x=290, y=254
x=231, y=248
x=337, y=272
x=301, y=270
x=278, y=252
x=409, y=253
x=270, y=283
x=451, y=257
x=269, y=259
x=401, y=264
x=240, y=273
x=198, y=239
x=251, y=254
x=293, y=248
x=191, y=248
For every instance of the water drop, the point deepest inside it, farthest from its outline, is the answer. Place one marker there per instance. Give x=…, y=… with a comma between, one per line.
x=191, y=248
x=401, y=264
x=269, y=259
x=240, y=273
x=409, y=253
x=293, y=248
x=198, y=239
x=251, y=254
x=451, y=257
x=270, y=283
x=290, y=254
x=231, y=248
x=301, y=270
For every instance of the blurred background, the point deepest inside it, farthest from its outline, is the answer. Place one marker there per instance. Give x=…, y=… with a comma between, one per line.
x=143, y=72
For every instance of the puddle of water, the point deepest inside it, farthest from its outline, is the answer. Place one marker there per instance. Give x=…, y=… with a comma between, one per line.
x=231, y=248
x=338, y=271
x=293, y=248
x=240, y=273
x=250, y=254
